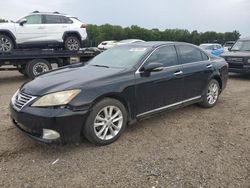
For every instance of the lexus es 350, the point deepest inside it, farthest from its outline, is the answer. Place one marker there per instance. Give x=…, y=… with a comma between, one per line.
x=123, y=84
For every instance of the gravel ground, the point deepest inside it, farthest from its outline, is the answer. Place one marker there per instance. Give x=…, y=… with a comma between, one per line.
x=189, y=147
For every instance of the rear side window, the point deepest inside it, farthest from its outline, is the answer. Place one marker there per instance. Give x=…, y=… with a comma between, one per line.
x=54, y=19
x=204, y=56
x=66, y=20
x=34, y=19
x=189, y=54
x=166, y=55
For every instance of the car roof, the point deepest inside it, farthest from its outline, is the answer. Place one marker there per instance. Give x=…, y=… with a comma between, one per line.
x=155, y=44
x=208, y=44
x=51, y=13
x=127, y=40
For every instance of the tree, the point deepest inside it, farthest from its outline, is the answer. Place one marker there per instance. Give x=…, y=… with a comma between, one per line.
x=97, y=34
x=2, y=21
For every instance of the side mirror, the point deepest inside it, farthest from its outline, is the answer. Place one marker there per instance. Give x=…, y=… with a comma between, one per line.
x=229, y=49
x=22, y=21
x=153, y=67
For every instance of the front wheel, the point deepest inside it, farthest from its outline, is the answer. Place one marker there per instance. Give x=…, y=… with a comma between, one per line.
x=6, y=44
x=211, y=95
x=106, y=122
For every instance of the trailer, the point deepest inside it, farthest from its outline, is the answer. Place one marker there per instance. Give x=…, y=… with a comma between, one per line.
x=32, y=62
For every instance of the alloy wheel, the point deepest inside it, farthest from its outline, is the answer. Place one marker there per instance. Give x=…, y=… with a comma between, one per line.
x=5, y=44
x=72, y=44
x=108, y=122
x=213, y=93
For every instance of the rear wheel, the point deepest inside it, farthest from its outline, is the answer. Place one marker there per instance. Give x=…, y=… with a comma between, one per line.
x=6, y=44
x=72, y=43
x=22, y=70
x=211, y=95
x=37, y=67
x=106, y=122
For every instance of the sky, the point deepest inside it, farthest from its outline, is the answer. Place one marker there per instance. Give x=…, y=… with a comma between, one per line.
x=200, y=15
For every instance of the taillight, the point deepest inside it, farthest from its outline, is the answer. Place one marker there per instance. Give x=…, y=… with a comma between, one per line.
x=84, y=26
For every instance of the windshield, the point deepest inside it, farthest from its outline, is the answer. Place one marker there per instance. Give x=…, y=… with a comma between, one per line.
x=241, y=46
x=120, y=57
x=229, y=44
x=207, y=47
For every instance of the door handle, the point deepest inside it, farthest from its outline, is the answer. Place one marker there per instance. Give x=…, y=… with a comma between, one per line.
x=41, y=27
x=209, y=66
x=177, y=73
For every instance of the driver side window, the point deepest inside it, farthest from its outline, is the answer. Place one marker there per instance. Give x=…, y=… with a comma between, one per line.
x=34, y=19
x=166, y=55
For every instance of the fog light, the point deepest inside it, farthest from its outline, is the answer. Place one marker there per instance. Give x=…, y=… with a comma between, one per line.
x=50, y=134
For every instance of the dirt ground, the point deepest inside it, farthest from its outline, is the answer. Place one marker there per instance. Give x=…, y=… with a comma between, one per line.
x=189, y=147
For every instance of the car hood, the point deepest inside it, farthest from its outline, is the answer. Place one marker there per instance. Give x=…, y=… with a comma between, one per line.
x=209, y=51
x=71, y=77
x=236, y=54
x=6, y=25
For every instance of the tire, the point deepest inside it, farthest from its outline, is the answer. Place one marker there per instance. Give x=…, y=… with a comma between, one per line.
x=98, y=124
x=6, y=44
x=72, y=43
x=22, y=70
x=37, y=67
x=211, y=94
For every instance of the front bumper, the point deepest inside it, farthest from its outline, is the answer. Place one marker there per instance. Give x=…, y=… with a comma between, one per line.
x=240, y=70
x=33, y=122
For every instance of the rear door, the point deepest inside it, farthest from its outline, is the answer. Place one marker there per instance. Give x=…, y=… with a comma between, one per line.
x=31, y=31
x=56, y=25
x=159, y=89
x=197, y=69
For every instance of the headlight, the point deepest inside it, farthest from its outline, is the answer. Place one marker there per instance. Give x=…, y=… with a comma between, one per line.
x=56, y=99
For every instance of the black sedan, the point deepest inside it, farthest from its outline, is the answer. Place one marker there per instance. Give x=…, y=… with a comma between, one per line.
x=121, y=85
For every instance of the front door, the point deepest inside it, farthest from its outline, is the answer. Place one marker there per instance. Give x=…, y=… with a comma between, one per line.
x=56, y=25
x=158, y=90
x=31, y=31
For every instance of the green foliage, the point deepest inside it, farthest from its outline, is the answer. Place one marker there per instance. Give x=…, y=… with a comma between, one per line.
x=2, y=21
x=97, y=34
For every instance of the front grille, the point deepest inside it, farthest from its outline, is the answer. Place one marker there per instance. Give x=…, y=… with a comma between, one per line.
x=19, y=100
x=235, y=60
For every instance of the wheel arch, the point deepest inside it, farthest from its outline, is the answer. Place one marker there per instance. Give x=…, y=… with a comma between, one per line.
x=116, y=96
x=71, y=33
x=9, y=34
x=218, y=79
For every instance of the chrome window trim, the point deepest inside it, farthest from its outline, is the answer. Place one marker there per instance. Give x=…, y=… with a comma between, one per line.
x=138, y=70
x=168, y=106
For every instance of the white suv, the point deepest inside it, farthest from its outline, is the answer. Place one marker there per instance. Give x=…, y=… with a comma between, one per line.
x=43, y=30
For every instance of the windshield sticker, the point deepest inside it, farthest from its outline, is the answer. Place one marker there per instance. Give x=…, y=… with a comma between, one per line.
x=138, y=49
